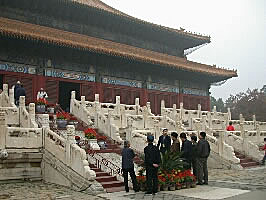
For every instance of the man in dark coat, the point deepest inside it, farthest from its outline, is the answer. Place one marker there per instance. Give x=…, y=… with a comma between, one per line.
x=204, y=150
x=17, y=85
x=186, y=150
x=164, y=142
x=152, y=161
x=20, y=91
x=128, y=166
x=194, y=155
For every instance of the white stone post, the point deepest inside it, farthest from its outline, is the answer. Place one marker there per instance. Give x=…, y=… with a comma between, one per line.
x=221, y=144
x=83, y=103
x=117, y=107
x=22, y=101
x=137, y=106
x=5, y=89
x=11, y=96
x=254, y=121
x=174, y=113
x=32, y=115
x=70, y=140
x=229, y=114
x=214, y=112
x=97, y=109
x=181, y=111
x=162, y=107
x=148, y=104
x=199, y=110
x=2, y=130
x=73, y=97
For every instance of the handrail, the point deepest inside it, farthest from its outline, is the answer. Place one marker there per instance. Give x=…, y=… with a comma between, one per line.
x=114, y=169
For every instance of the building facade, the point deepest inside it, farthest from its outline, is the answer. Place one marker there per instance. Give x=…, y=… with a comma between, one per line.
x=90, y=47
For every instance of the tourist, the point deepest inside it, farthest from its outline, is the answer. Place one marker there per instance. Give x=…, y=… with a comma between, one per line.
x=16, y=86
x=20, y=91
x=194, y=155
x=230, y=127
x=164, y=142
x=42, y=94
x=175, y=147
x=204, y=150
x=186, y=150
x=152, y=161
x=128, y=166
x=264, y=149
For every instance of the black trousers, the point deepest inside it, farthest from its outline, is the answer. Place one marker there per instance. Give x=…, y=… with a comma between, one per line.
x=152, y=179
x=202, y=170
x=195, y=167
x=133, y=178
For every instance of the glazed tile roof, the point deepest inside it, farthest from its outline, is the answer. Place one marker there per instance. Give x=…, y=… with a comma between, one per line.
x=22, y=30
x=104, y=7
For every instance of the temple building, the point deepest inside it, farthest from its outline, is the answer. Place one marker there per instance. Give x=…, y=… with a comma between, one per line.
x=90, y=47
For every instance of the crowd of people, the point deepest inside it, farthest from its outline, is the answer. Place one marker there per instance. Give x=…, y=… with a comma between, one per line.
x=193, y=153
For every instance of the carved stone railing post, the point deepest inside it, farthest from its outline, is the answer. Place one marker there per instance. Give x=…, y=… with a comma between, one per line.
x=22, y=101
x=181, y=111
x=229, y=114
x=5, y=89
x=73, y=97
x=199, y=110
x=137, y=106
x=2, y=130
x=214, y=112
x=97, y=109
x=70, y=140
x=149, y=107
x=174, y=113
x=163, y=107
x=11, y=96
x=83, y=103
x=32, y=115
x=254, y=122
x=117, y=107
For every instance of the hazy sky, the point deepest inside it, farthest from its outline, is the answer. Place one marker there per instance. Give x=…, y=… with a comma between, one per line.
x=237, y=29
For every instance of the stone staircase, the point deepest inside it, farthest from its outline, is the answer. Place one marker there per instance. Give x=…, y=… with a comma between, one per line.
x=246, y=162
x=21, y=166
x=109, y=183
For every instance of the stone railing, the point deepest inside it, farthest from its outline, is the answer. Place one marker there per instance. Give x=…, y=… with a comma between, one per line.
x=5, y=99
x=23, y=138
x=68, y=152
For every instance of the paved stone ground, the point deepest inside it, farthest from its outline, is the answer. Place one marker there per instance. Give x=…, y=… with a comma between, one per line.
x=40, y=191
x=223, y=184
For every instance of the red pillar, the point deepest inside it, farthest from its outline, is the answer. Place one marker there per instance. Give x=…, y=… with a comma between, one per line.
x=144, y=97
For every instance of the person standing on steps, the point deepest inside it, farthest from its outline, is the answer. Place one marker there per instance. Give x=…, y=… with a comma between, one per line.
x=164, y=142
x=128, y=166
x=152, y=161
x=204, y=150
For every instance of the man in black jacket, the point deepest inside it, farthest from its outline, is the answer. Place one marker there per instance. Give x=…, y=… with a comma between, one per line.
x=186, y=150
x=20, y=91
x=204, y=149
x=128, y=167
x=164, y=142
x=152, y=161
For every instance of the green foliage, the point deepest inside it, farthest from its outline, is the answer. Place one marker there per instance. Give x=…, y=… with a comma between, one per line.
x=220, y=107
x=171, y=161
x=252, y=102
